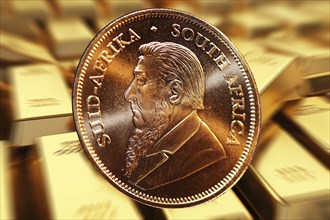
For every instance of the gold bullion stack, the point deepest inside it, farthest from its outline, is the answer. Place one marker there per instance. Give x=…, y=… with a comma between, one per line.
x=286, y=45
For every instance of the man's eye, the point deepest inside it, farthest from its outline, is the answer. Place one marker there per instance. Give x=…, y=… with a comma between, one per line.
x=141, y=82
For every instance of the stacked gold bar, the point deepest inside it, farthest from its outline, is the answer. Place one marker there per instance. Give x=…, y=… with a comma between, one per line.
x=288, y=181
x=86, y=196
x=6, y=195
x=41, y=100
x=286, y=45
x=226, y=207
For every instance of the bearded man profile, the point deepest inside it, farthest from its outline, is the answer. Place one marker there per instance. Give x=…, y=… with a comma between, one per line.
x=170, y=142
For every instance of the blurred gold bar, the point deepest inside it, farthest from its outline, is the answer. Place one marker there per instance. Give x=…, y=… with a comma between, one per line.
x=246, y=46
x=82, y=9
x=322, y=37
x=42, y=105
x=38, y=10
x=315, y=58
x=16, y=49
x=118, y=8
x=228, y=206
x=312, y=85
x=74, y=194
x=285, y=181
x=191, y=7
x=268, y=131
x=65, y=44
x=101, y=22
x=318, y=9
x=250, y=24
x=20, y=26
x=216, y=8
x=316, y=84
x=215, y=20
x=6, y=203
x=201, y=10
x=70, y=65
x=276, y=76
x=292, y=17
x=312, y=116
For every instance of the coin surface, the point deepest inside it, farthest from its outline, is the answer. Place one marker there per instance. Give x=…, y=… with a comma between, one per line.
x=166, y=108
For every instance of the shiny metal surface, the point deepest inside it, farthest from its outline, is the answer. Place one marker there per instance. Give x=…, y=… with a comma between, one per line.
x=166, y=108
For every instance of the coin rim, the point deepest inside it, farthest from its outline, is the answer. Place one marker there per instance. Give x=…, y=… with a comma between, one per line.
x=255, y=112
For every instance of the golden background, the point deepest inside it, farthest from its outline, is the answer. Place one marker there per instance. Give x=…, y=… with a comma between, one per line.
x=286, y=45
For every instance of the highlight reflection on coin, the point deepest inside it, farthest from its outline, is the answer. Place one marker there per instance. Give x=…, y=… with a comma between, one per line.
x=166, y=108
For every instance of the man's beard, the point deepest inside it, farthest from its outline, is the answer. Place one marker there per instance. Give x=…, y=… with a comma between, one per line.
x=142, y=139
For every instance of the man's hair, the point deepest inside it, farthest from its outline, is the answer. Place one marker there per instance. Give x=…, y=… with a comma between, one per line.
x=175, y=62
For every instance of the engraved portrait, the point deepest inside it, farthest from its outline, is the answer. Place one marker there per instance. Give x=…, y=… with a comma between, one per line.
x=169, y=141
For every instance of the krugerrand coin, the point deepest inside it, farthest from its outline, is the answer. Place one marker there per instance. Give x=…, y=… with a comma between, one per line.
x=166, y=108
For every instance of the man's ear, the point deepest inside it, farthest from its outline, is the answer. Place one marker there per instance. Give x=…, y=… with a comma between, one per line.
x=176, y=92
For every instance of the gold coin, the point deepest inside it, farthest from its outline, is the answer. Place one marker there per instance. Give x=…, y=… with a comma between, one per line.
x=166, y=108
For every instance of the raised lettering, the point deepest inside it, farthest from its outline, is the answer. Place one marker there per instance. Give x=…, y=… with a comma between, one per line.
x=237, y=126
x=102, y=141
x=106, y=57
x=121, y=43
x=222, y=61
x=236, y=91
x=230, y=79
x=97, y=80
x=213, y=49
x=238, y=104
x=134, y=36
x=198, y=37
x=94, y=114
x=113, y=48
x=188, y=34
x=97, y=126
x=92, y=98
x=98, y=66
x=175, y=32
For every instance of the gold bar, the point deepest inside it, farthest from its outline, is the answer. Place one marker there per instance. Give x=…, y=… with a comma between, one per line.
x=246, y=46
x=82, y=9
x=207, y=10
x=228, y=206
x=64, y=43
x=6, y=203
x=39, y=10
x=42, y=104
x=216, y=8
x=75, y=188
x=69, y=65
x=316, y=84
x=321, y=37
x=191, y=7
x=216, y=20
x=101, y=22
x=69, y=68
x=251, y=24
x=276, y=76
x=311, y=119
x=16, y=49
x=21, y=26
x=293, y=18
x=285, y=181
x=315, y=57
x=318, y=9
x=119, y=8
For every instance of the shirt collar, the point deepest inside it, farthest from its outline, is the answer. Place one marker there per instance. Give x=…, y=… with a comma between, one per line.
x=178, y=135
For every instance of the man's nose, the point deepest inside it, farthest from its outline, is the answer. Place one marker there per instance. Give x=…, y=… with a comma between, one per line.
x=130, y=92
